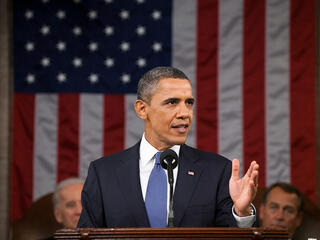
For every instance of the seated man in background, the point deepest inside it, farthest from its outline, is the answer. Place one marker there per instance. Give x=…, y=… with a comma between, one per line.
x=67, y=202
x=281, y=208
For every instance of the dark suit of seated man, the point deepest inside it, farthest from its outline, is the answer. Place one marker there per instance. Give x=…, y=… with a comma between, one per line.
x=207, y=191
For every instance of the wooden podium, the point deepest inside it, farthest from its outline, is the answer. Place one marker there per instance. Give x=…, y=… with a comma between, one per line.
x=170, y=233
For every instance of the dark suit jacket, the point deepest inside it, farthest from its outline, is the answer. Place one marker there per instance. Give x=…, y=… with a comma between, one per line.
x=112, y=195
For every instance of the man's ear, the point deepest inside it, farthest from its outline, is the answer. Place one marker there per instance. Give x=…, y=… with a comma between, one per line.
x=140, y=107
x=57, y=215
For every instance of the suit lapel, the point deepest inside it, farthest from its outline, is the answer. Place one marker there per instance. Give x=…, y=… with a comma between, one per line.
x=188, y=176
x=129, y=184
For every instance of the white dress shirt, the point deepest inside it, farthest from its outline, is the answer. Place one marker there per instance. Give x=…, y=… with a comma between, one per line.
x=146, y=164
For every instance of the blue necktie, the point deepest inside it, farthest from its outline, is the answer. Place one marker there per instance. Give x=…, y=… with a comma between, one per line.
x=156, y=196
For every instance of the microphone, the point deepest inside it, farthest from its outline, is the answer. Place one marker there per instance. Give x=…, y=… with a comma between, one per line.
x=169, y=161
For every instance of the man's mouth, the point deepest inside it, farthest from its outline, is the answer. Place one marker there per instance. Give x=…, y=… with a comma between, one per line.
x=181, y=127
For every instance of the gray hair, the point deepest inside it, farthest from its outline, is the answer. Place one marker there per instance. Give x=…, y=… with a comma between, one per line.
x=65, y=183
x=150, y=79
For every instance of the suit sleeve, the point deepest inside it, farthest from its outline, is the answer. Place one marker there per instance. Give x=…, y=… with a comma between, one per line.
x=224, y=217
x=92, y=215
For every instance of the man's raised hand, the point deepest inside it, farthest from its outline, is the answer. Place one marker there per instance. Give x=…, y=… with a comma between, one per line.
x=243, y=190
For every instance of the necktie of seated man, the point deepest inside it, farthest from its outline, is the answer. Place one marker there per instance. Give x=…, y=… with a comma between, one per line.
x=156, y=196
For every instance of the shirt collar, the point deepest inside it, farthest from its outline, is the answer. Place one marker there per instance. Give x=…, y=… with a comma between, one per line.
x=147, y=151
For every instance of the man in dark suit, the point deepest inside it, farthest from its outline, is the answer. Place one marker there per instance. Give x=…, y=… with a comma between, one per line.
x=207, y=191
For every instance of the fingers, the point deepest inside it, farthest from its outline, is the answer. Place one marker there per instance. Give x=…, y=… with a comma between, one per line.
x=253, y=173
x=235, y=168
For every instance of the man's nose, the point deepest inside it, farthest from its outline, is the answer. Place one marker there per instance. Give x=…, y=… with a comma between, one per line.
x=183, y=111
x=280, y=214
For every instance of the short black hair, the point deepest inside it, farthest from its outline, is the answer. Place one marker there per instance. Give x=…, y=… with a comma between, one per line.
x=150, y=79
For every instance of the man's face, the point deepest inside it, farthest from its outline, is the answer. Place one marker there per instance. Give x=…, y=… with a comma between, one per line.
x=168, y=116
x=69, y=209
x=281, y=211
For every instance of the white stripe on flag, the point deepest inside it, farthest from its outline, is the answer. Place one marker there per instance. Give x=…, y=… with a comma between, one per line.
x=134, y=126
x=91, y=130
x=184, y=47
x=277, y=91
x=45, y=146
x=230, y=80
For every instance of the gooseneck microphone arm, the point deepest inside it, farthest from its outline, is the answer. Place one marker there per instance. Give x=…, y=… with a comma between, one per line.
x=171, y=180
x=169, y=160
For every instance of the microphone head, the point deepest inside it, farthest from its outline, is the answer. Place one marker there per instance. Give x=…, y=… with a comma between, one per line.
x=168, y=157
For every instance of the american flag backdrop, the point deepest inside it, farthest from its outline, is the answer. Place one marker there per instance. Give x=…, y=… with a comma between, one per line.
x=77, y=64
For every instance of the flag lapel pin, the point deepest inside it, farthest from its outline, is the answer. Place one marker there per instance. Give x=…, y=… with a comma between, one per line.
x=191, y=173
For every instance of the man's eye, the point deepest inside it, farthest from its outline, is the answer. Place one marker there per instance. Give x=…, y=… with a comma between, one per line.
x=172, y=101
x=289, y=210
x=273, y=207
x=190, y=102
x=70, y=204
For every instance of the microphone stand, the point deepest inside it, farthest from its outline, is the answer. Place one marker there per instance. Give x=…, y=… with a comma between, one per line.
x=170, y=180
x=169, y=160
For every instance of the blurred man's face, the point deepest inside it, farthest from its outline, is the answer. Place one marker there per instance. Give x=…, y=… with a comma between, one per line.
x=169, y=115
x=281, y=211
x=69, y=208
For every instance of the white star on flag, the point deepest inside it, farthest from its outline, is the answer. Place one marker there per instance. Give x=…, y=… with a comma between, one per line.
x=61, y=14
x=93, y=78
x=125, y=46
x=77, y=62
x=125, y=78
x=30, y=78
x=157, y=47
x=108, y=30
x=141, y=62
x=62, y=77
x=109, y=62
x=156, y=15
x=29, y=14
x=29, y=46
x=93, y=46
x=61, y=46
x=141, y=30
x=77, y=30
x=45, y=30
x=45, y=61
x=124, y=14
x=92, y=14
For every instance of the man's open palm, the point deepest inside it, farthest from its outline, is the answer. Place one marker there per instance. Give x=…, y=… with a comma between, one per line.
x=243, y=190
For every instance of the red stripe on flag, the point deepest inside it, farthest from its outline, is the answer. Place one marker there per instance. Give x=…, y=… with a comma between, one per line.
x=68, y=136
x=302, y=100
x=114, y=128
x=22, y=154
x=207, y=74
x=254, y=85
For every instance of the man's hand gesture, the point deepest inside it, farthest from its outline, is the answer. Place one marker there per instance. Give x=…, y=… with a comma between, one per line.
x=243, y=190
